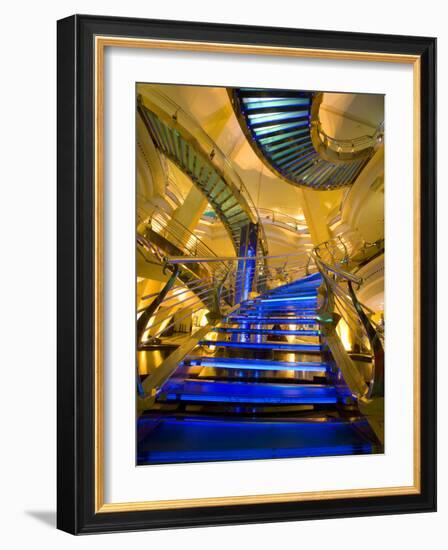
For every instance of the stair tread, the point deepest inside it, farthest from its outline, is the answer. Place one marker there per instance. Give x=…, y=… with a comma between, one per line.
x=248, y=392
x=256, y=364
x=275, y=320
x=275, y=346
x=232, y=330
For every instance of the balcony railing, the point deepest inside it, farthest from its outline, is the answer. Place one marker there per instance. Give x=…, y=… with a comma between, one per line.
x=342, y=150
x=217, y=292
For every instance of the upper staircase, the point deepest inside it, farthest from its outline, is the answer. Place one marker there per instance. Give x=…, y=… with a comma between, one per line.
x=284, y=130
x=180, y=138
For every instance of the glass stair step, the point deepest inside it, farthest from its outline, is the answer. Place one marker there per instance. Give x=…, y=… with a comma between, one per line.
x=273, y=320
x=247, y=392
x=276, y=332
x=274, y=346
x=256, y=364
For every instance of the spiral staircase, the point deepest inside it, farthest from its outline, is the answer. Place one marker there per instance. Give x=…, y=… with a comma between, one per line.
x=178, y=137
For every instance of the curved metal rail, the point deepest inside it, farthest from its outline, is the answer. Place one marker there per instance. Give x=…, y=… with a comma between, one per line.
x=180, y=138
x=176, y=234
x=331, y=259
x=341, y=150
x=276, y=218
x=218, y=291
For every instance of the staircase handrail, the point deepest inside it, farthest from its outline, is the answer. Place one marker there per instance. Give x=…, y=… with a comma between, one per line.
x=178, y=230
x=181, y=259
x=337, y=149
x=353, y=311
x=218, y=292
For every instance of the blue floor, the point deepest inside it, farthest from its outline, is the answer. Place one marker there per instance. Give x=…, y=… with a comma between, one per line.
x=172, y=440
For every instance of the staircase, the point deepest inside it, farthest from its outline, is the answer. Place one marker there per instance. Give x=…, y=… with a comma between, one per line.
x=261, y=384
x=284, y=130
x=180, y=139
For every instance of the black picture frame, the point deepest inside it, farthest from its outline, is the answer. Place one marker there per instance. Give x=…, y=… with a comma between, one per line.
x=76, y=511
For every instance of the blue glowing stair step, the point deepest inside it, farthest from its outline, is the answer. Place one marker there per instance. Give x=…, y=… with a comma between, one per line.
x=275, y=346
x=277, y=312
x=293, y=289
x=292, y=292
x=286, y=299
x=285, y=296
x=277, y=307
x=172, y=440
x=281, y=304
x=276, y=332
x=267, y=320
x=247, y=392
x=251, y=316
x=255, y=364
x=302, y=287
x=268, y=103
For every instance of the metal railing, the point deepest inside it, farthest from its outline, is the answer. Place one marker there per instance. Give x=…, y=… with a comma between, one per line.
x=217, y=293
x=177, y=235
x=283, y=220
x=274, y=217
x=342, y=150
x=160, y=102
x=340, y=302
x=350, y=146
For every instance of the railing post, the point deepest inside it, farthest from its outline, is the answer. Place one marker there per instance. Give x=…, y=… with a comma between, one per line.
x=377, y=386
x=246, y=268
x=142, y=321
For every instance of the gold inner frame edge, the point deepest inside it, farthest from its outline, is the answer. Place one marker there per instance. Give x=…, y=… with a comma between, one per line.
x=101, y=42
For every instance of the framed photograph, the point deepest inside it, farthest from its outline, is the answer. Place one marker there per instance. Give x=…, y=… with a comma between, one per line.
x=246, y=274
